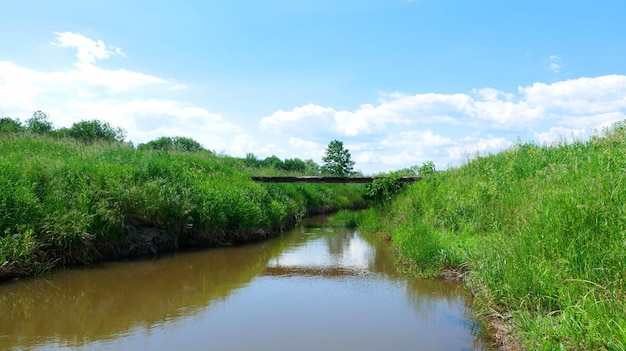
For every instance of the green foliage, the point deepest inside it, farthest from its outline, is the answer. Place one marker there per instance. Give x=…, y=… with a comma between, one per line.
x=9, y=125
x=295, y=165
x=337, y=160
x=349, y=219
x=183, y=144
x=95, y=130
x=252, y=161
x=426, y=169
x=290, y=165
x=540, y=230
x=39, y=123
x=311, y=168
x=407, y=172
x=273, y=162
x=384, y=188
x=369, y=221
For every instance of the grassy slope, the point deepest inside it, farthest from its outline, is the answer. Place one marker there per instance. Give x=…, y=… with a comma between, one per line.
x=540, y=233
x=64, y=202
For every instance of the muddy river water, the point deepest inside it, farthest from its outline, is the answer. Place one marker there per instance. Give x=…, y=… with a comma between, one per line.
x=319, y=287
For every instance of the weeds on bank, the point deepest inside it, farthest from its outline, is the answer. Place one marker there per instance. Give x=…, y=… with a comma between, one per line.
x=60, y=200
x=543, y=230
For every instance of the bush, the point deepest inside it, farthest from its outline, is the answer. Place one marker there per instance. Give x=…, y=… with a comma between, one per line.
x=9, y=125
x=183, y=144
x=95, y=130
x=384, y=188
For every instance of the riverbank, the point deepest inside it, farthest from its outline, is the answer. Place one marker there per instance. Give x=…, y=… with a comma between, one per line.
x=66, y=202
x=537, y=233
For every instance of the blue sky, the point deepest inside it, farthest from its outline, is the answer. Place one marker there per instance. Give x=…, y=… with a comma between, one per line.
x=399, y=82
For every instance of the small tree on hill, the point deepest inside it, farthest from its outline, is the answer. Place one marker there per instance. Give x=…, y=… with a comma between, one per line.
x=39, y=123
x=337, y=160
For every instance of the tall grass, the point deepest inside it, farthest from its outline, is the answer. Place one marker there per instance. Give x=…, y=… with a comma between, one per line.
x=66, y=202
x=540, y=232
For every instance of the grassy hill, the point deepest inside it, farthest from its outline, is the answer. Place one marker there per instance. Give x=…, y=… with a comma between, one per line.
x=539, y=233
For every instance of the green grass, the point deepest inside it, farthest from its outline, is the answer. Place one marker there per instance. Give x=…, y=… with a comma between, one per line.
x=349, y=219
x=66, y=202
x=540, y=232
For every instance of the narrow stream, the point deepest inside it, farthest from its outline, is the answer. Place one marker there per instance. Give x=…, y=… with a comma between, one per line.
x=319, y=287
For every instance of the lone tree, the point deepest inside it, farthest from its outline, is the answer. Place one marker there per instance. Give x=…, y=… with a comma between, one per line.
x=337, y=160
x=39, y=123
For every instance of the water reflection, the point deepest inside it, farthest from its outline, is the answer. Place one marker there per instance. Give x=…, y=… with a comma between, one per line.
x=315, y=288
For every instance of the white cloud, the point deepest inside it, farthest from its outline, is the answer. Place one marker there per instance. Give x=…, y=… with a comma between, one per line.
x=307, y=114
x=554, y=63
x=113, y=95
x=503, y=110
x=366, y=157
x=306, y=149
x=579, y=96
x=27, y=89
x=242, y=144
x=416, y=141
x=87, y=50
x=18, y=87
x=396, y=109
x=558, y=135
x=592, y=121
x=392, y=131
x=399, y=160
x=481, y=147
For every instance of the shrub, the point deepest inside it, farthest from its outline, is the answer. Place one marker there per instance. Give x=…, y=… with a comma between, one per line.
x=384, y=188
x=95, y=130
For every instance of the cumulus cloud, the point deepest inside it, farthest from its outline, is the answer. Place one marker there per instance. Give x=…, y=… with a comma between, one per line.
x=582, y=96
x=242, y=144
x=595, y=101
x=501, y=110
x=481, y=147
x=87, y=50
x=401, y=128
x=23, y=88
x=416, y=141
x=117, y=96
x=300, y=118
x=395, y=109
x=307, y=149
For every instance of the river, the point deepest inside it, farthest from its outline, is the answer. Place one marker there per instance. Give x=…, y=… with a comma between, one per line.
x=318, y=287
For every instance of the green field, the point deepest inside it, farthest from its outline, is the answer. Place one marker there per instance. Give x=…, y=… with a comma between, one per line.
x=539, y=233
